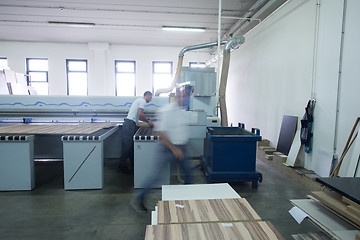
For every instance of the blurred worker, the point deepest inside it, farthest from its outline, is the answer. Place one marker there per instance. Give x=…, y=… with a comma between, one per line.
x=135, y=114
x=173, y=132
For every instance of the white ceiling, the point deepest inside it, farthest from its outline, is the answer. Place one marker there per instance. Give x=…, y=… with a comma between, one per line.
x=127, y=22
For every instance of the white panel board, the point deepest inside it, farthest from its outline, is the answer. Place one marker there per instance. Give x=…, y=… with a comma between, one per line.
x=198, y=191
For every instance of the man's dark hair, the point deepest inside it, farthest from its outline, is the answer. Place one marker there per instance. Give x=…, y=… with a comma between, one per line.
x=147, y=93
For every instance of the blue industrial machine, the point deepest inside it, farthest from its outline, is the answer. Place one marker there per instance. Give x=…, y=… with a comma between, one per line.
x=230, y=155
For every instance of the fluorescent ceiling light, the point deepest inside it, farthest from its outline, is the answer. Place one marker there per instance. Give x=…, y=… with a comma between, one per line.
x=72, y=24
x=180, y=28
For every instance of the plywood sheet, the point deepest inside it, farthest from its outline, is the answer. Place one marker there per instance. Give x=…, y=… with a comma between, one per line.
x=294, y=150
x=287, y=132
x=31, y=129
x=212, y=231
x=334, y=202
x=210, y=210
x=325, y=219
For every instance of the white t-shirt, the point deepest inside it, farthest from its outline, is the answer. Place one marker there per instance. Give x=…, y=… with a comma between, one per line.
x=133, y=112
x=173, y=121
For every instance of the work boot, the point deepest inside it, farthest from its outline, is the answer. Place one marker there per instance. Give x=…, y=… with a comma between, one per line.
x=138, y=206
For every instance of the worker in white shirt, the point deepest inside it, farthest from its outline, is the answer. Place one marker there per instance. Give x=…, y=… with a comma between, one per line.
x=135, y=114
x=173, y=132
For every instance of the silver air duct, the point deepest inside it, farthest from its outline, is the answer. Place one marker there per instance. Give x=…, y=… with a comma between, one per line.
x=180, y=61
x=231, y=44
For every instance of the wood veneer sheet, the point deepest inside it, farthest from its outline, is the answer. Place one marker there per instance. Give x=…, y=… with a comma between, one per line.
x=210, y=210
x=82, y=128
x=211, y=231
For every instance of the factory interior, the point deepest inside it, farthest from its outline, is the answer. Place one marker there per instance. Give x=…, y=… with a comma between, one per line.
x=263, y=92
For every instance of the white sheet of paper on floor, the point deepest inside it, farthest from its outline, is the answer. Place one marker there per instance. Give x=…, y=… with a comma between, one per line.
x=179, y=206
x=298, y=214
x=294, y=149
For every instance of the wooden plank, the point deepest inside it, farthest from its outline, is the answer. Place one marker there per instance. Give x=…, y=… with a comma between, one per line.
x=263, y=142
x=352, y=203
x=209, y=210
x=29, y=129
x=333, y=201
x=212, y=231
x=294, y=150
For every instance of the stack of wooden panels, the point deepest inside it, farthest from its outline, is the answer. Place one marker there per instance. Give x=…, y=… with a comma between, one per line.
x=209, y=219
x=340, y=205
x=31, y=129
x=213, y=231
x=209, y=210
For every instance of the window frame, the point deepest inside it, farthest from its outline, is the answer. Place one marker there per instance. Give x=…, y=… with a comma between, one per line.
x=68, y=71
x=116, y=72
x=191, y=63
x=153, y=71
x=28, y=77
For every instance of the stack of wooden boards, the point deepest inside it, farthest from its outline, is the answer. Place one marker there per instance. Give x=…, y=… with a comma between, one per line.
x=340, y=205
x=209, y=219
x=270, y=152
x=288, y=147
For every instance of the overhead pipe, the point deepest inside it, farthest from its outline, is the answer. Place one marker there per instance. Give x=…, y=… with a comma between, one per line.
x=231, y=44
x=180, y=61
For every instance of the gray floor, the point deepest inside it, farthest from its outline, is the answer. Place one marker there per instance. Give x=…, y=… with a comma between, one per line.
x=50, y=212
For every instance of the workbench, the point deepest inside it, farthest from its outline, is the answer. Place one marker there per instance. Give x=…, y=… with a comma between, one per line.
x=83, y=153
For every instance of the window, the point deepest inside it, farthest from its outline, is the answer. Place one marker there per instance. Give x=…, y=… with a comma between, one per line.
x=37, y=71
x=76, y=77
x=3, y=63
x=125, y=78
x=162, y=75
x=197, y=64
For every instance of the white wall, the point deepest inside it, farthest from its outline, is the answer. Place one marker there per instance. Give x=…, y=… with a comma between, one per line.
x=271, y=75
x=101, y=62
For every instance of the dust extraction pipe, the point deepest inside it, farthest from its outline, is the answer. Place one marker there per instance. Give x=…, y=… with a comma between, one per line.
x=180, y=61
x=232, y=43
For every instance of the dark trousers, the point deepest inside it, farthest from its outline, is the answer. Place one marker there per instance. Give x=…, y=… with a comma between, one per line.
x=164, y=157
x=127, y=149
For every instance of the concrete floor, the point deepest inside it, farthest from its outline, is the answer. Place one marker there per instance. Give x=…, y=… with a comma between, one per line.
x=50, y=212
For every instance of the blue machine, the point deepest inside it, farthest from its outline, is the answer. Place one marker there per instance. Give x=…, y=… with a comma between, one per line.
x=230, y=155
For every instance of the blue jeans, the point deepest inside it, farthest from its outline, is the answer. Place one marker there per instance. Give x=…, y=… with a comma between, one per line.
x=127, y=143
x=166, y=156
